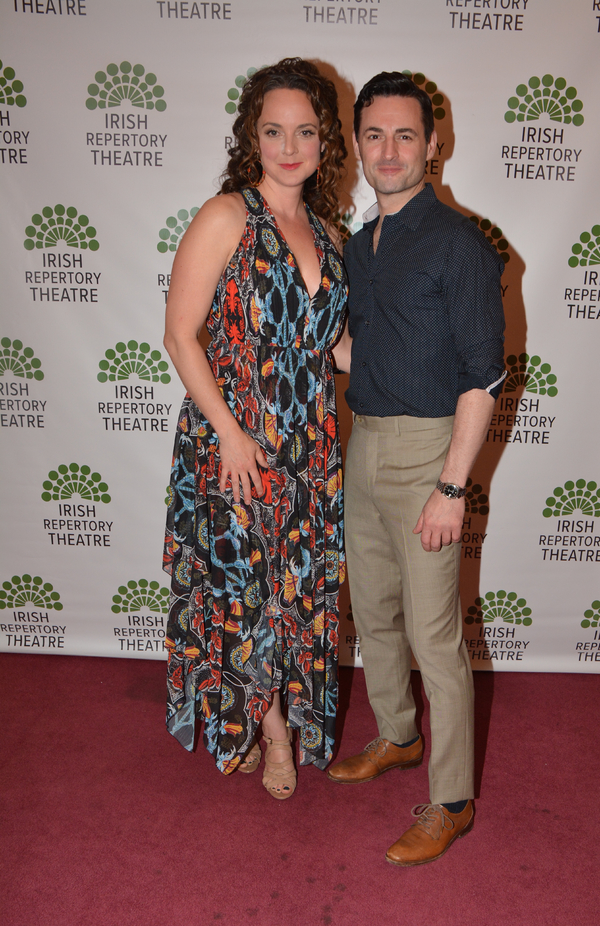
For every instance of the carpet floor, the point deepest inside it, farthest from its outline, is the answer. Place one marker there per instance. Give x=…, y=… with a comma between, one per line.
x=107, y=821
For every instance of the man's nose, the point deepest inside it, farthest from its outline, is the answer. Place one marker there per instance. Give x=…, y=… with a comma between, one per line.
x=389, y=147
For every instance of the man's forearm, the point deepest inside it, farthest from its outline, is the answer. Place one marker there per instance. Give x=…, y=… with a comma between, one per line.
x=441, y=520
x=471, y=422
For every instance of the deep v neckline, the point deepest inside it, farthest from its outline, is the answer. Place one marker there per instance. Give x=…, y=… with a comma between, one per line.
x=310, y=215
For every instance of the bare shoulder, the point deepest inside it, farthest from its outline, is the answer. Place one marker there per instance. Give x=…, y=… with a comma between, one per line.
x=214, y=232
x=220, y=215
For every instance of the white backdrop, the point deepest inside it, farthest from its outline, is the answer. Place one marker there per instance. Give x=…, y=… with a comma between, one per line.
x=115, y=118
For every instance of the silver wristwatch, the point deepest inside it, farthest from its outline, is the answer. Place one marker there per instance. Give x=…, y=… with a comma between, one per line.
x=450, y=490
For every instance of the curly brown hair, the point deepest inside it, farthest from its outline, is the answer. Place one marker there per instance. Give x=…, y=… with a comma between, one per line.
x=244, y=168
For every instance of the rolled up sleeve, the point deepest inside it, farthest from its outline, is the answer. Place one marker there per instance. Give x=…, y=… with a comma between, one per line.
x=476, y=314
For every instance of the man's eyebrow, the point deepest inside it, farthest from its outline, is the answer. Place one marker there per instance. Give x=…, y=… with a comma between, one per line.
x=376, y=128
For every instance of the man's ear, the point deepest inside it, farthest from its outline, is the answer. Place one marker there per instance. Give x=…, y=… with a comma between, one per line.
x=431, y=147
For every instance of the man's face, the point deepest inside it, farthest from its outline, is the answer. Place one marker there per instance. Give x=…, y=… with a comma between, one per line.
x=392, y=147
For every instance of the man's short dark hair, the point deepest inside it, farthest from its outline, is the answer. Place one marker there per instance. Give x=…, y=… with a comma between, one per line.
x=393, y=83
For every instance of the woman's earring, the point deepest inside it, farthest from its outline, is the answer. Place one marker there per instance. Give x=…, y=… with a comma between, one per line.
x=255, y=166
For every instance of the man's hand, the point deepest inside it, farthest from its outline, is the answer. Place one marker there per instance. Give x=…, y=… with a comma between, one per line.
x=440, y=523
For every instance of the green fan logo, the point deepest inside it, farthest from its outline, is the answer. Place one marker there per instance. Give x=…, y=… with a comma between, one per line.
x=67, y=481
x=20, y=360
x=234, y=93
x=175, y=226
x=476, y=501
x=141, y=596
x=437, y=98
x=505, y=605
x=11, y=90
x=60, y=224
x=591, y=617
x=494, y=236
x=587, y=249
x=545, y=95
x=531, y=373
x=20, y=590
x=574, y=496
x=346, y=226
x=123, y=82
x=130, y=358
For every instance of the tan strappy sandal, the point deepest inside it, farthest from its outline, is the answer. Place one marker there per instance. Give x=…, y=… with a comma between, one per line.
x=251, y=760
x=278, y=778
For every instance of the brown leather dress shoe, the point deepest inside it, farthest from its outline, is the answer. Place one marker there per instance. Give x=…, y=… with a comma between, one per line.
x=375, y=759
x=432, y=835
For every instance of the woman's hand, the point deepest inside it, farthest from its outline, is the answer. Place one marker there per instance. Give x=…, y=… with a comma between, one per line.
x=240, y=458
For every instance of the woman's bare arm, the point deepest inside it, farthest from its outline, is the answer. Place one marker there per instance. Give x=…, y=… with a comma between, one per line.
x=201, y=258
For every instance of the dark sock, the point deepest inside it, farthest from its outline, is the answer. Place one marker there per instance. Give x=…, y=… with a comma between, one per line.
x=404, y=745
x=456, y=807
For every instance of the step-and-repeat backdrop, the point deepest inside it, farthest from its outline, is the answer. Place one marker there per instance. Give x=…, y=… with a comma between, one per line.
x=115, y=119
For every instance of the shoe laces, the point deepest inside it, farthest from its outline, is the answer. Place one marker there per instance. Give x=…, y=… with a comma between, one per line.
x=432, y=818
x=377, y=746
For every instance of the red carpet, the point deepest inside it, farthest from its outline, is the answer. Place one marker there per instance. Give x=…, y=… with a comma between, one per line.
x=107, y=821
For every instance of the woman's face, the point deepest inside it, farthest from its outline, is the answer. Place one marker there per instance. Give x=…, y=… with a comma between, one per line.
x=288, y=137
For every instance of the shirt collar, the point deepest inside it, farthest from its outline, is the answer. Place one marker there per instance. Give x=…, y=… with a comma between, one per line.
x=409, y=215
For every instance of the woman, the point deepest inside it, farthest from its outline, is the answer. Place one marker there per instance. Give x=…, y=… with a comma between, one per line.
x=254, y=530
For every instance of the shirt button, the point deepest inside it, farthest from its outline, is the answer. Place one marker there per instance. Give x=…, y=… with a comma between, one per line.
x=361, y=404
x=364, y=363
x=370, y=282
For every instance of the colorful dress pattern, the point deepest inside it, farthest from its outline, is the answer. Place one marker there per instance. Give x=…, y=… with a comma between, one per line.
x=254, y=588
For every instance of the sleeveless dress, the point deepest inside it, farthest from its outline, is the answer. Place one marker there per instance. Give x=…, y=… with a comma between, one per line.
x=254, y=588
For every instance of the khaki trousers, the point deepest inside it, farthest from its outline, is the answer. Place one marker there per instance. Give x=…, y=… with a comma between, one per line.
x=404, y=599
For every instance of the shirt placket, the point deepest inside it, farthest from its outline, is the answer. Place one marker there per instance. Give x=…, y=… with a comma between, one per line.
x=372, y=262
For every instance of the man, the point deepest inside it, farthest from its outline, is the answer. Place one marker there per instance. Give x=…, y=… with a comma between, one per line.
x=427, y=364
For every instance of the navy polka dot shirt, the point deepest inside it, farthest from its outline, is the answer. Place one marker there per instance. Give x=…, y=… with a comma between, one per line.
x=426, y=313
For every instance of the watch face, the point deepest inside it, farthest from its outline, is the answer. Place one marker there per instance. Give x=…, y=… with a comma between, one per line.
x=451, y=491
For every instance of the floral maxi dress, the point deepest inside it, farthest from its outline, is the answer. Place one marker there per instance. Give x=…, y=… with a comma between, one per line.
x=254, y=588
